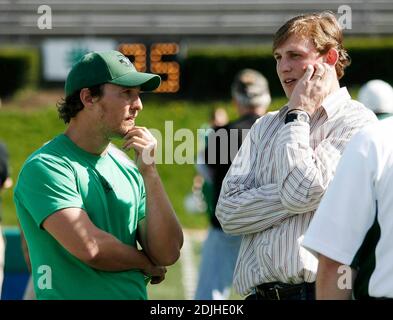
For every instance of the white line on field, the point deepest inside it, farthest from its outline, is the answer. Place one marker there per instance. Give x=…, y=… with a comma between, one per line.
x=189, y=271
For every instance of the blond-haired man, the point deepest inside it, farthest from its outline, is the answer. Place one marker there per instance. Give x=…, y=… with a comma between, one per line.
x=288, y=159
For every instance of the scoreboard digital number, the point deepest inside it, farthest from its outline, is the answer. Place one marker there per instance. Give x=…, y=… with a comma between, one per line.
x=161, y=61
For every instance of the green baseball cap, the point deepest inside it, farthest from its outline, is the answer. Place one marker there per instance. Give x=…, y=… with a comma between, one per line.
x=96, y=68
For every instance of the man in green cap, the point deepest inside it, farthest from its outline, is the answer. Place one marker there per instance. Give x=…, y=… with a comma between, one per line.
x=82, y=208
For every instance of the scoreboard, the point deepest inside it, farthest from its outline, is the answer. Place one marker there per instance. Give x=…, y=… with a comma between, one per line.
x=159, y=58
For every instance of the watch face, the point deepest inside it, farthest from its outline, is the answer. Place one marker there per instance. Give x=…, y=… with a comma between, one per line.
x=302, y=117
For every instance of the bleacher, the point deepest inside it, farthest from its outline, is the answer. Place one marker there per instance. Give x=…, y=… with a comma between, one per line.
x=182, y=19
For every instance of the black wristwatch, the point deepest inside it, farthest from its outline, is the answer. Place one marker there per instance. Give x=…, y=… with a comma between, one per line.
x=297, y=115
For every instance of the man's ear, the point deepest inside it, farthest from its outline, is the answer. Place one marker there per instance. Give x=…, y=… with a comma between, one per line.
x=86, y=97
x=332, y=56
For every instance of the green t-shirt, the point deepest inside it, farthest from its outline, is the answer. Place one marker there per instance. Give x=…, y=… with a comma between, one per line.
x=61, y=175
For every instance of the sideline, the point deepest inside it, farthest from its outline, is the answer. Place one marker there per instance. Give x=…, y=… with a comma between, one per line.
x=188, y=267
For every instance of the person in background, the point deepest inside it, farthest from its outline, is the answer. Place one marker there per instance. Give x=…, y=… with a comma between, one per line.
x=199, y=200
x=377, y=95
x=251, y=98
x=5, y=183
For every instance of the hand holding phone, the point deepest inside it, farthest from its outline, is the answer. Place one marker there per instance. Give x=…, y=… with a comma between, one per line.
x=315, y=85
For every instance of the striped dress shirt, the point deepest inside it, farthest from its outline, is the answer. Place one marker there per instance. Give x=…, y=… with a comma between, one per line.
x=275, y=184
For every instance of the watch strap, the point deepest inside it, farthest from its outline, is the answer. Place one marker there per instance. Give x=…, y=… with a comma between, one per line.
x=293, y=115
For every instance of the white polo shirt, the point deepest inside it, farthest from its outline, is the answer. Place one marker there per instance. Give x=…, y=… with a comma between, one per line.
x=354, y=222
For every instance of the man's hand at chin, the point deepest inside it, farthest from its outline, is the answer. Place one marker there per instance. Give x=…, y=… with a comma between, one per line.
x=315, y=85
x=143, y=142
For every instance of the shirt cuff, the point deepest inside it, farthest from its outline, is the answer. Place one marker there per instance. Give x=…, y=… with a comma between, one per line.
x=295, y=132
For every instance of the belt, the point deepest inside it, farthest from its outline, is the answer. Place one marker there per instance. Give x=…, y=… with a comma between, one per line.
x=285, y=291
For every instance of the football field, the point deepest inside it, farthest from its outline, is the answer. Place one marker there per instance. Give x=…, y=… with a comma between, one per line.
x=182, y=278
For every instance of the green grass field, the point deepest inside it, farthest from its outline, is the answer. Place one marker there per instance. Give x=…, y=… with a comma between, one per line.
x=26, y=129
x=173, y=287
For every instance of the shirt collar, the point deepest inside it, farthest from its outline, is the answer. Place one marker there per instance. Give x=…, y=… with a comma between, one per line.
x=334, y=100
x=331, y=103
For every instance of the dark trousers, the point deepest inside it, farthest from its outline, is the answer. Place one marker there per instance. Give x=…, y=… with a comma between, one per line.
x=283, y=291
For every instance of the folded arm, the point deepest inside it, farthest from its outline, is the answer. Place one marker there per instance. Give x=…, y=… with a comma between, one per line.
x=243, y=206
x=160, y=232
x=74, y=230
x=305, y=173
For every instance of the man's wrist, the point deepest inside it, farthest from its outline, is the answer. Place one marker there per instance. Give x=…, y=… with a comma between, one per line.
x=148, y=171
x=298, y=109
x=146, y=264
x=297, y=115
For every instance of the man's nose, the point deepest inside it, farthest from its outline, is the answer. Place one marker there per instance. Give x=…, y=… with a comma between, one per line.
x=136, y=105
x=284, y=66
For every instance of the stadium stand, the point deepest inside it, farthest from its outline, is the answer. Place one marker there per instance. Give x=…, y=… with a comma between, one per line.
x=181, y=18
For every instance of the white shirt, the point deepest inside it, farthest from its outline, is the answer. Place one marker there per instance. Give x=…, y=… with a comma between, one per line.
x=275, y=183
x=359, y=202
